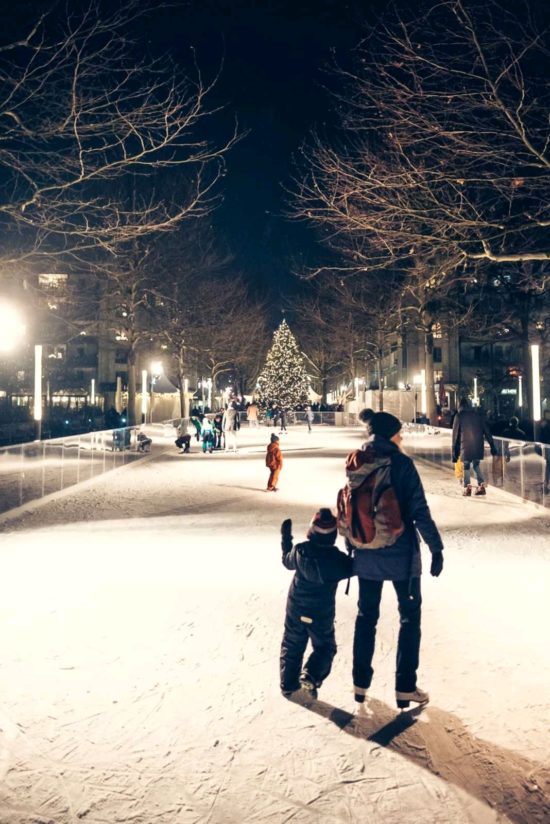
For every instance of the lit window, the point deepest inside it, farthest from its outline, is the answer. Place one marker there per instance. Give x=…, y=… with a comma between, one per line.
x=52, y=281
x=437, y=331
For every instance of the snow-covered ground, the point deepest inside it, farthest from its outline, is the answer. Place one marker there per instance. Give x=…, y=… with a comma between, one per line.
x=141, y=617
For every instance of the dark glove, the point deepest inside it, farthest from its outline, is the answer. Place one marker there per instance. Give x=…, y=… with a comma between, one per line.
x=286, y=535
x=437, y=564
x=493, y=451
x=507, y=458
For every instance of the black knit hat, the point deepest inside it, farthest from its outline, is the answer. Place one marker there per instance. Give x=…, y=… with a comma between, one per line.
x=385, y=425
x=274, y=438
x=323, y=526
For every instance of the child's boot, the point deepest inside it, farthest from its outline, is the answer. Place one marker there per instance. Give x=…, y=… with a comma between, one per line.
x=467, y=491
x=308, y=684
x=481, y=490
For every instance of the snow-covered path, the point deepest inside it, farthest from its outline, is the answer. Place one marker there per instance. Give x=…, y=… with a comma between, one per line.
x=141, y=618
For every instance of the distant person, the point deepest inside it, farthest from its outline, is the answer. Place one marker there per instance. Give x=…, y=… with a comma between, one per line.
x=252, y=414
x=512, y=433
x=229, y=426
x=282, y=420
x=183, y=440
x=143, y=442
x=395, y=555
x=219, y=442
x=274, y=462
x=310, y=417
x=310, y=609
x=207, y=435
x=469, y=429
x=196, y=421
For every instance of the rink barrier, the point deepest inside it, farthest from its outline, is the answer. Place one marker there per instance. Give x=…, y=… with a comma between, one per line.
x=293, y=419
x=525, y=474
x=32, y=470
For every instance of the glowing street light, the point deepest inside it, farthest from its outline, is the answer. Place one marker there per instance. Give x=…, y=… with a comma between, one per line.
x=12, y=326
x=37, y=406
x=143, y=395
x=157, y=370
x=535, y=381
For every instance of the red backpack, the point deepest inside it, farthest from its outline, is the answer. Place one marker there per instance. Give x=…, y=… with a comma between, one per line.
x=367, y=508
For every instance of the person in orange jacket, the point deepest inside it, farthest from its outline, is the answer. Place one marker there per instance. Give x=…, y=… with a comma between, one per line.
x=274, y=462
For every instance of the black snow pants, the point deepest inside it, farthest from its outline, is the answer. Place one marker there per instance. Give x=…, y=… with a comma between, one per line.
x=409, y=601
x=317, y=629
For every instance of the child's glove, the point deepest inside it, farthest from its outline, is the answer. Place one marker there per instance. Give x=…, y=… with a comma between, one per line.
x=286, y=535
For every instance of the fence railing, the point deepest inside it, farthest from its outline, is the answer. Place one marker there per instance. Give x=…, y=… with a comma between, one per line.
x=519, y=467
x=292, y=419
x=32, y=470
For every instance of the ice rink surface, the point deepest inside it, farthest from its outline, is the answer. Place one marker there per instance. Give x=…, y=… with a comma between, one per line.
x=140, y=621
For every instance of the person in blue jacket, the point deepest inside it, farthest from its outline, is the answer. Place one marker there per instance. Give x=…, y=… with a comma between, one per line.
x=399, y=563
x=310, y=610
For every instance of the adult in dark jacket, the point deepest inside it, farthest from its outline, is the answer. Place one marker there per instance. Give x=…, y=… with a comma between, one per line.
x=399, y=563
x=469, y=429
x=310, y=607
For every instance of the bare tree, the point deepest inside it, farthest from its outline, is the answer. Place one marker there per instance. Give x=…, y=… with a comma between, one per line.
x=443, y=161
x=80, y=113
x=446, y=138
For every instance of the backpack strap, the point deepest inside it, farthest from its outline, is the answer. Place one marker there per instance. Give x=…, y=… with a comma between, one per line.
x=349, y=549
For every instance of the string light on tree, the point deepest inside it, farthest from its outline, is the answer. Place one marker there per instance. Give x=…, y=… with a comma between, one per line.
x=283, y=381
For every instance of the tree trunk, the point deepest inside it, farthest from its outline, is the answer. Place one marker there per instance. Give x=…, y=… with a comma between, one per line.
x=431, y=411
x=131, y=410
x=181, y=383
x=380, y=384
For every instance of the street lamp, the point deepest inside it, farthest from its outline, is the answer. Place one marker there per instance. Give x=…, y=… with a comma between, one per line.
x=157, y=370
x=12, y=326
x=37, y=406
x=143, y=395
x=535, y=381
x=12, y=332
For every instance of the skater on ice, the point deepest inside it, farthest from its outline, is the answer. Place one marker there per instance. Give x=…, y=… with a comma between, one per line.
x=469, y=429
x=319, y=566
x=274, y=462
x=379, y=513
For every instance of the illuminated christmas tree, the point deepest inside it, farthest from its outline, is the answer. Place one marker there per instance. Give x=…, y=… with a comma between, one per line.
x=283, y=381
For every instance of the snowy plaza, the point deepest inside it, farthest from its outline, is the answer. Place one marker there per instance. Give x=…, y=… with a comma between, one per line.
x=141, y=619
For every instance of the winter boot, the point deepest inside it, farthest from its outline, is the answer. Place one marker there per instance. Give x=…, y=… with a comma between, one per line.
x=404, y=698
x=481, y=490
x=467, y=491
x=308, y=684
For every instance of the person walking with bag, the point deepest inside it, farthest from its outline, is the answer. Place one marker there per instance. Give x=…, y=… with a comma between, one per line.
x=388, y=479
x=469, y=429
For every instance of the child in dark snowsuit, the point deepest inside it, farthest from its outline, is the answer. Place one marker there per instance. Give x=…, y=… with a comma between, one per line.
x=310, y=608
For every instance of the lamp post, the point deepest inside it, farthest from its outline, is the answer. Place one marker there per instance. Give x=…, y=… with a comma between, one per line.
x=37, y=405
x=157, y=370
x=143, y=395
x=535, y=382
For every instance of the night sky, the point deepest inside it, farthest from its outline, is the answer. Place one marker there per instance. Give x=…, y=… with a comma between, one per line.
x=273, y=53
